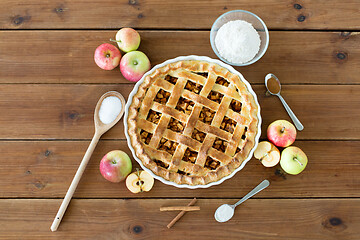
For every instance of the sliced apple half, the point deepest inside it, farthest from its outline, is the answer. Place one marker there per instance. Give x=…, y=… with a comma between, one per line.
x=267, y=153
x=139, y=181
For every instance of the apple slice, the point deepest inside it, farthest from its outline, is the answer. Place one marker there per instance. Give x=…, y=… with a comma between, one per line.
x=148, y=181
x=267, y=153
x=132, y=183
x=139, y=181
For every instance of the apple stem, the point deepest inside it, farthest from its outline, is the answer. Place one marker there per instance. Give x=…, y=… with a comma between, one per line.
x=112, y=40
x=282, y=130
x=298, y=161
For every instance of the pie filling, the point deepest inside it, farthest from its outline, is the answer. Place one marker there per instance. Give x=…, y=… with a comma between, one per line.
x=189, y=135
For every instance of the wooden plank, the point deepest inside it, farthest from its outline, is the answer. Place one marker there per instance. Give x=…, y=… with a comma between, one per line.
x=45, y=169
x=43, y=111
x=295, y=219
x=67, y=56
x=283, y=14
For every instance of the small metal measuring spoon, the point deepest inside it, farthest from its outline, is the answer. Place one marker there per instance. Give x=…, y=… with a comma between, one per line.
x=225, y=212
x=292, y=115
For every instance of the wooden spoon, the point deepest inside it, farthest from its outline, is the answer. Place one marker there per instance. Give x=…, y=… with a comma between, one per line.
x=100, y=129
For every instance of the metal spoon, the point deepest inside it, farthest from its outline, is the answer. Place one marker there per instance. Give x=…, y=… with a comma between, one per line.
x=296, y=121
x=224, y=216
x=100, y=129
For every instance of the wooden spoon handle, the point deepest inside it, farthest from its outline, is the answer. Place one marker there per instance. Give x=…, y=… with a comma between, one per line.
x=75, y=182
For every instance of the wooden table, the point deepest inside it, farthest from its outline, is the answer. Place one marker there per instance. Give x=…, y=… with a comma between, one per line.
x=49, y=86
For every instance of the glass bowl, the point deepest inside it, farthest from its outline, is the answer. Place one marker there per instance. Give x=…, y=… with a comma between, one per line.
x=249, y=17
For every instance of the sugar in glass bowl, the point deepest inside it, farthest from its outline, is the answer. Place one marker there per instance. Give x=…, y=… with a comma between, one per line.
x=249, y=17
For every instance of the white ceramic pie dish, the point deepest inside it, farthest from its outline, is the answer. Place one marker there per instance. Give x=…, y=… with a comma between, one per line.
x=182, y=58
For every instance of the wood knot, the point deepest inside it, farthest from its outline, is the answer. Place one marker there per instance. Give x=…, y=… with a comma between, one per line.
x=334, y=224
x=28, y=172
x=39, y=185
x=140, y=16
x=297, y=6
x=335, y=221
x=225, y=7
x=73, y=115
x=137, y=229
x=18, y=20
x=47, y=153
x=340, y=56
x=133, y=2
x=58, y=10
x=301, y=18
x=345, y=34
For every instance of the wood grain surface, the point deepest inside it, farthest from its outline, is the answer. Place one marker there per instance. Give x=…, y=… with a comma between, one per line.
x=60, y=111
x=49, y=85
x=80, y=14
x=316, y=219
x=44, y=169
x=67, y=56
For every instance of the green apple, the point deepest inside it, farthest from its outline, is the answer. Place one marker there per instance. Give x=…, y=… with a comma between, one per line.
x=293, y=160
x=134, y=65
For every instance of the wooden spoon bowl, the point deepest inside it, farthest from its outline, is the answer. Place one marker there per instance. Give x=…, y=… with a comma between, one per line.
x=100, y=127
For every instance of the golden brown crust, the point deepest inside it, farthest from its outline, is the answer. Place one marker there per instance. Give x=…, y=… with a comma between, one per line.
x=142, y=102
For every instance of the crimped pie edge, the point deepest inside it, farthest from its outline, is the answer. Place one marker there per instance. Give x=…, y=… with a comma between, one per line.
x=221, y=172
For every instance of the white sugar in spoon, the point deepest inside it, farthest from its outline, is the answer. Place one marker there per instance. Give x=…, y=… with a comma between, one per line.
x=100, y=129
x=225, y=212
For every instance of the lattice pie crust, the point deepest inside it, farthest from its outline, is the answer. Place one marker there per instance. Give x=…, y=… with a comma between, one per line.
x=192, y=122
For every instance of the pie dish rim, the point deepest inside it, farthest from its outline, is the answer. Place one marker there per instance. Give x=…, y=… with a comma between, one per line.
x=197, y=58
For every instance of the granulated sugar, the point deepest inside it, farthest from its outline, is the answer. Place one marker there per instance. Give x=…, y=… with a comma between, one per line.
x=224, y=213
x=109, y=109
x=237, y=41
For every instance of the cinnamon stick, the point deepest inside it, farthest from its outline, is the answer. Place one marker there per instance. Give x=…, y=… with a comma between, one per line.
x=180, y=214
x=180, y=208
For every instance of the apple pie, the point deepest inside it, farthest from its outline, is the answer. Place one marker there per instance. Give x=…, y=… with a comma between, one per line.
x=192, y=122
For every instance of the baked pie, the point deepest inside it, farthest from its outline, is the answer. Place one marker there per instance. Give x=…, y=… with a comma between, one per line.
x=192, y=122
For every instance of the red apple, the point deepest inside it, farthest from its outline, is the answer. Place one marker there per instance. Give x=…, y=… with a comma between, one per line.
x=281, y=133
x=134, y=65
x=115, y=166
x=127, y=39
x=107, y=56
